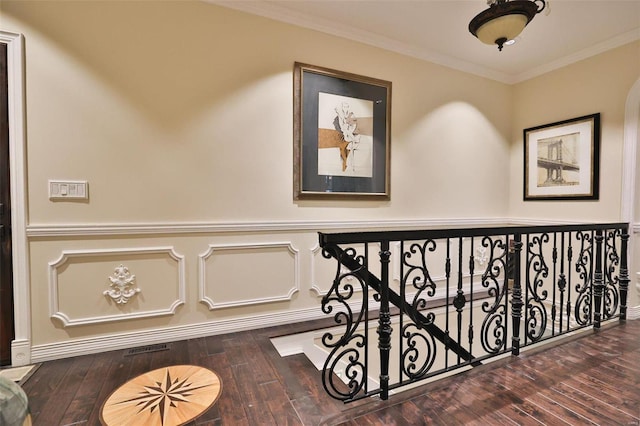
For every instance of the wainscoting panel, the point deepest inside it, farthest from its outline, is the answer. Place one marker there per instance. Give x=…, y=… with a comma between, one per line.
x=107, y=286
x=269, y=272
x=99, y=286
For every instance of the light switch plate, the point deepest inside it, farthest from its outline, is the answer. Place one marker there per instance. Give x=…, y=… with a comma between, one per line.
x=68, y=189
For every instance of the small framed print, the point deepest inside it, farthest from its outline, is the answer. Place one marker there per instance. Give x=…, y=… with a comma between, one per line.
x=562, y=160
x=341, y=135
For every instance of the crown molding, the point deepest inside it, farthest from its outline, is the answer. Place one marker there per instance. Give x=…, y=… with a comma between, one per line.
x=282, y=14
x=278, y=13
x=594, y=50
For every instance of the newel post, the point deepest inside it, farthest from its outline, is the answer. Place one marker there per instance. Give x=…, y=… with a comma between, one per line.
x=384, y=321
x=624, y=273
x=598, y=282
x=516, y=295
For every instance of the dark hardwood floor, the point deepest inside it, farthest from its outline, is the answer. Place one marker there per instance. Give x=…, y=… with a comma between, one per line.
x=590, y=379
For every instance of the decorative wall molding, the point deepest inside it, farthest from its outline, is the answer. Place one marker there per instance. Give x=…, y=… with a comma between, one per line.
x=18, y=185
x=91, y=345
x=315, y=251
x=68, y=321
x=122, y=287
x=213, y=248
x=45, y=231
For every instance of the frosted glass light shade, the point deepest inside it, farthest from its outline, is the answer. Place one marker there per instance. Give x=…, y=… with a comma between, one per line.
x=505, y=27
x=504, y=20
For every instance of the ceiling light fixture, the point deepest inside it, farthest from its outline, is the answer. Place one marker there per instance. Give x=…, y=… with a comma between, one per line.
x=504, y=20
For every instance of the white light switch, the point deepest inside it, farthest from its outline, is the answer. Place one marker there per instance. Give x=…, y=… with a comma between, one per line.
x=67, y=189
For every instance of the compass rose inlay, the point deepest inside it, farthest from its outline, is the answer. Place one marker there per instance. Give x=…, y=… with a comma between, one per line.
x=168, y=396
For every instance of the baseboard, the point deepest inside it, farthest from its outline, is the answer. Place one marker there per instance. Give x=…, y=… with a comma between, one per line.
x=20, y=353
x=78, y=347
x=633, y=312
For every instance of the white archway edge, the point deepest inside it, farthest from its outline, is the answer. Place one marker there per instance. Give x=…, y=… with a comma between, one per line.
x=631, y=123
x=629, y=193
x=21, y=345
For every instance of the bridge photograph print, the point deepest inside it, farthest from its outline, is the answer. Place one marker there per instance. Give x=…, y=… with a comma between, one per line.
x=561, y=160
x=341, y=135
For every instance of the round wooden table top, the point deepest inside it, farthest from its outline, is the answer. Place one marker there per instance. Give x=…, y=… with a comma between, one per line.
x=168, y=396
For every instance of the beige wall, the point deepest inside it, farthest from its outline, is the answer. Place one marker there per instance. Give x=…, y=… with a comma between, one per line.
x=182, y=111
x=597, y=84
x=179, y=115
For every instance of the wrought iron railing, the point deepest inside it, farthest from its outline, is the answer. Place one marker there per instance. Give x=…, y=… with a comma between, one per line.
x=431, y=295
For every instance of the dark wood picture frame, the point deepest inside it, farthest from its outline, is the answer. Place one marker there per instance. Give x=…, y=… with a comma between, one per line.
x=562, y=160
x=342, y=128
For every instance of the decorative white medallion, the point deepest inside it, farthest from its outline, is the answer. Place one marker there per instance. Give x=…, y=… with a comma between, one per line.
x=481, y=256
x=122, y=285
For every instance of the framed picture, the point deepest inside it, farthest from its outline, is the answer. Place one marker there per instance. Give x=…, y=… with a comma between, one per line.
x=562, y=160
x=341, y=135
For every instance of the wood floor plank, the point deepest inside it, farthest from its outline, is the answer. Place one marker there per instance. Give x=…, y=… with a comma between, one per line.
x=584, y=411
x=140, y=364
x=605, y=393
x=493, y=418
x=455, y=401
x=248, y=354
x=255, y=409
x=559, y=410
x=413, y=414
x=45, y=383
x=274, y=396
x=391, y=415
x=198, y=355
x=629, y=397
x=593, y=401
x=592, y=379
x=524, y=414
x=116, y=376
x=85, y=398
x=177, y=355
x=432, y=412
x=230, y=403
x=67, y=389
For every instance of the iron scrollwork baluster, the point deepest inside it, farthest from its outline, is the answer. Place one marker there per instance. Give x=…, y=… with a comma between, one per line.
x=418, y=274
x=414, y=363
x=347, y=347
x=611, y=279
x=584, y=268
x=494, y=329
x=536, y=313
